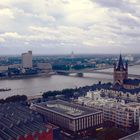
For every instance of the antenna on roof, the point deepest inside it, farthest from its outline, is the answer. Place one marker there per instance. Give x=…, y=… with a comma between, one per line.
x=120, y=52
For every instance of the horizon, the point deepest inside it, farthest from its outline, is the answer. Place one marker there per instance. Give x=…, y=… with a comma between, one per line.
x=68, y=54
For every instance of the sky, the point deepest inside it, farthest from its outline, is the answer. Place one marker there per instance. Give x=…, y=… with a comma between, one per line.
x=63, y=26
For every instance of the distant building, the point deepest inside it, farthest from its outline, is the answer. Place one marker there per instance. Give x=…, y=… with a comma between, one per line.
x=27, y=60
x=72, y=55
x=45, y=67
x=131, y=83
x=69, y=116
x=15, y=66
x=129, y=58
x=3, y=68
x=120, y=72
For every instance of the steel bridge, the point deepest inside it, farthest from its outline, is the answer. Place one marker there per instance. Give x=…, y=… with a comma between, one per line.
x=81, y=72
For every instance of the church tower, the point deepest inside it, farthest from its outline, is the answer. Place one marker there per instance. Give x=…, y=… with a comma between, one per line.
x=120, y=71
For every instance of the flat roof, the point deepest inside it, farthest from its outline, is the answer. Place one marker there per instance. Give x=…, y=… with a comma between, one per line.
x=70, y=110
x=134, y=136
x=133, y=104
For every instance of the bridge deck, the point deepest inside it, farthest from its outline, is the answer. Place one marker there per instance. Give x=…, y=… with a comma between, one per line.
x=92, y=71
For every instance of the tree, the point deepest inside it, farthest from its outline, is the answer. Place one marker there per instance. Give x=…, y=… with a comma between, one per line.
x=15, y=98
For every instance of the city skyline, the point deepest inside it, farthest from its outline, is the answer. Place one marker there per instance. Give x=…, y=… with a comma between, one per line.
x=63, y=26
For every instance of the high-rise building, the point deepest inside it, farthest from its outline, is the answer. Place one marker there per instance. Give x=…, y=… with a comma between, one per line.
x=120, y=72
x=27, y=60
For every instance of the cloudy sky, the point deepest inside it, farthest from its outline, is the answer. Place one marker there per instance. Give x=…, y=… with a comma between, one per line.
x=63, y=26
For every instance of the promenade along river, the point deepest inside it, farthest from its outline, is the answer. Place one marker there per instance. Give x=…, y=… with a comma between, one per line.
x=37, y=85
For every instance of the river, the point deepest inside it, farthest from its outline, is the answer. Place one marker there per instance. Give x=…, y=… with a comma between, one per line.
x=37, y=85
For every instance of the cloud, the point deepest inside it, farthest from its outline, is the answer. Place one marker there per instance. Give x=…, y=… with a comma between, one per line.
x=82, y=26
x=2, y=40
x=6, y=12
x=13, y=35
x=122, y=5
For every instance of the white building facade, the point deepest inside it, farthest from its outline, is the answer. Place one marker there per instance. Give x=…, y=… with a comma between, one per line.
x=121, y=114
x=27, y=60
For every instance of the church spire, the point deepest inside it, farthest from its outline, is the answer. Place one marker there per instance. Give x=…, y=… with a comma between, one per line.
x=120, y=64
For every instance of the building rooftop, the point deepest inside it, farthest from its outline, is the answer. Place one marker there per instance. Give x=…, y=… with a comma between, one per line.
x=67, y=109
x=133, y=104
x=135, y=82
x=18, y=120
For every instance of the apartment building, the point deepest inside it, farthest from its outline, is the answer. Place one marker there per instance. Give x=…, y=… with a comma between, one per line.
x=120, y=114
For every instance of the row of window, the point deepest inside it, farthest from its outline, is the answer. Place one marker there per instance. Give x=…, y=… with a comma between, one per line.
x=89, y=121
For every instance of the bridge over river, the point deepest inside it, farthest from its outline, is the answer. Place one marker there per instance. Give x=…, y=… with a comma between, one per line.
x=81, y=72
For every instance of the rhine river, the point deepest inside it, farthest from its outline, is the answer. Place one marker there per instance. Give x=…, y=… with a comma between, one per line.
x=37, y=85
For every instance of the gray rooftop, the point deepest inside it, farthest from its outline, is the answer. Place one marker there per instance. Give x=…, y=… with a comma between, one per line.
x=68, y=109
x=18, y=120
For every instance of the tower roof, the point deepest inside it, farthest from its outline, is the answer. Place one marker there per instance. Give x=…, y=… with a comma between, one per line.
x=120, y=64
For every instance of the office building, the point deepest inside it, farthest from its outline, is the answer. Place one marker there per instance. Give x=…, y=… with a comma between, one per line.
x=69, y=116
x=27, y=60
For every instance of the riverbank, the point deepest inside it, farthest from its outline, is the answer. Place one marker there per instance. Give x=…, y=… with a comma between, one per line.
x=34, y=97
x=26, y=76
